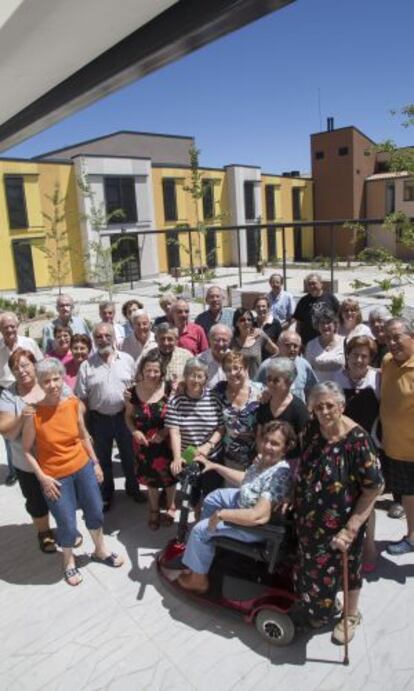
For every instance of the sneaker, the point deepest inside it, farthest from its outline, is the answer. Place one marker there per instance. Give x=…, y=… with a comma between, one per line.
x=338, y=634
x=396, y=510
x=404, y=546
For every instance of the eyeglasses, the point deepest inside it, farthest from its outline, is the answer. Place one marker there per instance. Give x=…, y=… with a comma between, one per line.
x=197, y=376
x=22, y=367
x=245, y=319
x=324, y=406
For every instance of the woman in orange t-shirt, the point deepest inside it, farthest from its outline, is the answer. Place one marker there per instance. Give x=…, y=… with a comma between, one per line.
x=66, y=467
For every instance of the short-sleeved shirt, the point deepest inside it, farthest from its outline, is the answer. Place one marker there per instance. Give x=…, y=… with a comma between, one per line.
x=196, y=418
x=326, y=361
x=303, y=382
x=282, y=306
x=397, y=408
x=308, y=307
x=206, y=319
x=77, y=325
x=6, y=376
x=12, y=404
x=174, y=362
x=274, y=483
x=102, y=384
x=296, y=414
x=193, y=339
x=239, y=439
x=252, y=353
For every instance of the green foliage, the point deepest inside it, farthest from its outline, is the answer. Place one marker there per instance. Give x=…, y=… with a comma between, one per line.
x=397, y=305
x=356, y=284
x=400, y=223
x=20, y=308
x=384, y=284
x=57, y=246
x=375, y=255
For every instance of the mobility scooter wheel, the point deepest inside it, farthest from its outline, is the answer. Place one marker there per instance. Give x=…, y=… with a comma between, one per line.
x=277, y=628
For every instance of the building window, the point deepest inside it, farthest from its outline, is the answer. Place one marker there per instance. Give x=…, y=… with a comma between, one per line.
x=120, y=197
x=170, y=199
x=208, y=199
x=343, y=151
x=270, y=202
x=409, y=191
x=16, y=202
x=249, y=205
x=390, y=198
x=296, y=203
x=319, y=155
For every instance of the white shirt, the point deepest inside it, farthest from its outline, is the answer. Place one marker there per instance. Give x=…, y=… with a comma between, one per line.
x=6, y=377
x=135, y=349
x=102, y=384
x=325, y=361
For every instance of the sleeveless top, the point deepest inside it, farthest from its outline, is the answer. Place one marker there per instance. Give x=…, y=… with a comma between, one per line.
x=59, y=449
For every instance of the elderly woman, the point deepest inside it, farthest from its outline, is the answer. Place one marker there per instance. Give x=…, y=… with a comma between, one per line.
x=282, y=405
x=167, y=300
x=66, y=467
x=81, y=347
x=326, y=353
x=16, y=402
x=377, y=319
x=350, y=320
x=240, y=399
x=310, y=304
x=264, y=485
x=128, y=309
x=145, y=415
x=142, y=340
x=250, y=340
x=338, y=482
x=266, y=321
x=195, y=419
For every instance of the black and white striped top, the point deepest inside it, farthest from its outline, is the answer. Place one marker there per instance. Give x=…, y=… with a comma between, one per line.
x=196, y=418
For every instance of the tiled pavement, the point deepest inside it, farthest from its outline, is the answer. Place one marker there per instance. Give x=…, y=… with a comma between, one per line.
x=124, y=630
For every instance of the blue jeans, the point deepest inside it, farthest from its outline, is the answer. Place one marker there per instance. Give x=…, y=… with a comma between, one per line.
x=79, y=489
x=105, y=429
x=199, y=552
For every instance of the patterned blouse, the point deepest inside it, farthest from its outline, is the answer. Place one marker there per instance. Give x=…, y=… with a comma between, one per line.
x=274, y=483
x=239, y=439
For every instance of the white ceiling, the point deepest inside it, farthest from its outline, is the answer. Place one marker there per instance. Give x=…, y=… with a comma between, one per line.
x=42, y=42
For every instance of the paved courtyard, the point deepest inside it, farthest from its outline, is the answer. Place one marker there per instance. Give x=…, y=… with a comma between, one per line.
x=124, y=630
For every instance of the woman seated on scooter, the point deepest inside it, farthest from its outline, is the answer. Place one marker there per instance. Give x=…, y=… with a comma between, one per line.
x=266, y=483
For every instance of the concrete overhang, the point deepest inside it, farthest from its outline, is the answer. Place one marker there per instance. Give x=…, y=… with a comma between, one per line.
x=58, y=56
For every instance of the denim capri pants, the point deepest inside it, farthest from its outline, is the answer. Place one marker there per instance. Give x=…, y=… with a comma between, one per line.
x=81, y=490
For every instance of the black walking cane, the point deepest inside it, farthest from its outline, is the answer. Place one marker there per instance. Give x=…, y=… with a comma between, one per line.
x=346, y=604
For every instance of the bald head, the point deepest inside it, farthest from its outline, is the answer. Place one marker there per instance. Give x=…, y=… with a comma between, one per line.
x=8, y=328
x=290, y=344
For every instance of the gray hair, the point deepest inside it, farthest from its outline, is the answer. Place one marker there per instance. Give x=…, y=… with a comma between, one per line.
x=106, y=325
x=213, y=287
x=289, y=334
x=221, y=327
x=379, y=313
x=323, y=388
x=283, y=367
x=407, y=324
x=276, y=275
x=322, y=316
x=313, y=275
x=167, y=298
x=140, y=313
x=107, y=303
x=165, y=327
x=50, y=365
x=194, y=363
x=64, y=296
x=8, y=315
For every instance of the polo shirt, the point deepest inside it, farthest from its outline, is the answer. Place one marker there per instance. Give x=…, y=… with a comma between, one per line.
x=397, y=408
x=193, y=339
x=102, y=384
x=6, y=377
x=206, y=319
x=77, y=325
x=282, y=306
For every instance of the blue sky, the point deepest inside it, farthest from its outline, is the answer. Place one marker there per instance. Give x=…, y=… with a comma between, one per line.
x=252, y=96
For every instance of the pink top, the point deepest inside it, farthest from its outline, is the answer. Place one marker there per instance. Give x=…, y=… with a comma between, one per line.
x=193, y=338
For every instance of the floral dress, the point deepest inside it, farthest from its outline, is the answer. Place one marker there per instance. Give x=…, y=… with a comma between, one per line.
x=330, y=480
x=152, y=461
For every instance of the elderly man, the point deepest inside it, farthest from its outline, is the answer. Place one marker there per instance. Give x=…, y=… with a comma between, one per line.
x=107, y=310
x=397, y=416
x=101, y=385
x=190, y=336
x=219, y=337
x=377, y=319
x=290, y=344
x=64, y=307
x=171, y=355
x=10, y=341
x=311, y=303
x=142, y=339
x=216, y=313
x=282, y=304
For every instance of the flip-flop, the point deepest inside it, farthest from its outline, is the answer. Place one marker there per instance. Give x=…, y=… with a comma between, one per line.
x=70, y=573
x=108, y=561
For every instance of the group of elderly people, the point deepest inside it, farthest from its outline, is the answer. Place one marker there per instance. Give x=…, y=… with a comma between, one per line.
x=283, y=405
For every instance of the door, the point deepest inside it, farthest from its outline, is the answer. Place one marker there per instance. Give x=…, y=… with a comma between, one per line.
x=23, y=264
x=253, y=245
x=211, y=248
x=126, y=264
x=173, y=250
x=271, y=244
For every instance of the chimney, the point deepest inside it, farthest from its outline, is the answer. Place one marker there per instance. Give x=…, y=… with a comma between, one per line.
x=330, y=124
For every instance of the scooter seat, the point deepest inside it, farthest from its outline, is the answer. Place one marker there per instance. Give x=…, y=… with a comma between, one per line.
x=266, y=549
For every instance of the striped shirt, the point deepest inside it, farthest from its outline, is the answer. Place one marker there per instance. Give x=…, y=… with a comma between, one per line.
x=196, y=418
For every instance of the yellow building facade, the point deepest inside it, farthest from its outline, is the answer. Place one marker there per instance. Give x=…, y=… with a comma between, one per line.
x=30, y=224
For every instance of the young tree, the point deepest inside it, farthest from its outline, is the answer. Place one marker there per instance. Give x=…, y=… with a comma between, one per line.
x=57, y=247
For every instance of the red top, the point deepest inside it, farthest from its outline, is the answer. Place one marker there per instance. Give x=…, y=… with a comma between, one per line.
x=193, y=338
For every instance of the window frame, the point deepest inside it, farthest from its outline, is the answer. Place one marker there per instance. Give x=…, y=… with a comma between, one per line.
x=120, y=180
x=249, y=210
x=174, y=216
x=13, y=224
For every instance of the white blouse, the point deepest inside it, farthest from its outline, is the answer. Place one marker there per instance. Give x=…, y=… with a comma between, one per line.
x=326, y=361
